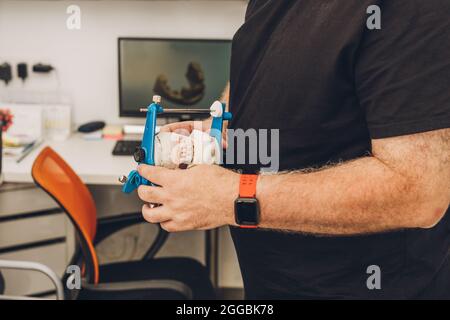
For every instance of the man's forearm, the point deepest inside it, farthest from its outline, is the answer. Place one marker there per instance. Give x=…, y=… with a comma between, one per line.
x=356, y=197
x=405, y=184
x=360, y=196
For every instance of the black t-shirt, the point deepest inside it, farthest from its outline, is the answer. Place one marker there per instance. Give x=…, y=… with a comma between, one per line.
x=313, y=70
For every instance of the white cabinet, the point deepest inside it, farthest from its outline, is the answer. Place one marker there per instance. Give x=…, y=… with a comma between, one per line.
x=32, y=228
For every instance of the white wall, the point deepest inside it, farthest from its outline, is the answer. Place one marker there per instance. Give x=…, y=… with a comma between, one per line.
x=86, y=59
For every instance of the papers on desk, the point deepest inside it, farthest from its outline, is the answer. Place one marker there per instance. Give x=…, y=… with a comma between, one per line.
x=13, y=152
x=109, y=132
x=19, y=151
x=113, y=132
x=26, y=129
x=96, y=135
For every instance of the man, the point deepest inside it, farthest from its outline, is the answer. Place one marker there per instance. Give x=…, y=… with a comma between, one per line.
x=369, y=111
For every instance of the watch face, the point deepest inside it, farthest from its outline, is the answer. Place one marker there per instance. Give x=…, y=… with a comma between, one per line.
x=247, y=211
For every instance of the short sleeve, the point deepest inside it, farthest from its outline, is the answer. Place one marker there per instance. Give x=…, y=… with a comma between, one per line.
x=402, y=71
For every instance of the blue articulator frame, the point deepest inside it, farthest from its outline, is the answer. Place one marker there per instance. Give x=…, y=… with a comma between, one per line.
x=146, y=153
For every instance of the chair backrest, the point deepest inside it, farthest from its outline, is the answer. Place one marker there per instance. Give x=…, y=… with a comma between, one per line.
x=57, y=178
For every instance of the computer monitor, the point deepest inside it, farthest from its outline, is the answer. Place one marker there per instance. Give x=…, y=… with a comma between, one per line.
x=186, y=73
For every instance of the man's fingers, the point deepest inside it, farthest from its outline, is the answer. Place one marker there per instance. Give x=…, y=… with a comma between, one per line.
x=155, y=215
x=184, y=127
x=173, y=126
x=171, y=226
x=151, y=194
x=163, y=217
x=157, y=175
x=204, y=125
x=224, y=139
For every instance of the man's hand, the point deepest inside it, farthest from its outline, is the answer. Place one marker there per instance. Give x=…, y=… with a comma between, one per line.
x=199, y=198
x=186, y=127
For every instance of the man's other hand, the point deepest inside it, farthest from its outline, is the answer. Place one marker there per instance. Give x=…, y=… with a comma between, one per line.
x=198, y=198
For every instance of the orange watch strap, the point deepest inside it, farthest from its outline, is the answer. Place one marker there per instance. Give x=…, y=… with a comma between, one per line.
x=247, y=185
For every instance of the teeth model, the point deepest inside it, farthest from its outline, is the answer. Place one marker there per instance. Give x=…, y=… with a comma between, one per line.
x=174, y=150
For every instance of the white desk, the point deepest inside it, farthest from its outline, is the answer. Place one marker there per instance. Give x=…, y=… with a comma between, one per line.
x=91, y=160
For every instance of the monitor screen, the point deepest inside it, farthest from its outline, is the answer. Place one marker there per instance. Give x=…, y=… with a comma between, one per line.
x=185, y=73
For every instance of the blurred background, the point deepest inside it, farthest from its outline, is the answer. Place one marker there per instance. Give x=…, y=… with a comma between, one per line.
x=62, y=66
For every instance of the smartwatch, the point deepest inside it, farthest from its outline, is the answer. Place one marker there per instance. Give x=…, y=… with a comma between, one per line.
x=246, y=207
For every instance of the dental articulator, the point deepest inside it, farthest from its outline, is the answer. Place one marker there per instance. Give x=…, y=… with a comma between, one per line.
x=175, y=150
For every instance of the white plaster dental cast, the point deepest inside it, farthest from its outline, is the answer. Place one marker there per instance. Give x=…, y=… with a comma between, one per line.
x=173, y=150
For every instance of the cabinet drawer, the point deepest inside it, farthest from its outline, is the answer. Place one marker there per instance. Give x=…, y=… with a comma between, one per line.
x=19, y=201
x=22, y=231
x=29, y=282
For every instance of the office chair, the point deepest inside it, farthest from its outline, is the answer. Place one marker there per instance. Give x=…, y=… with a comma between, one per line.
x=30, y=266
x=150, y=278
